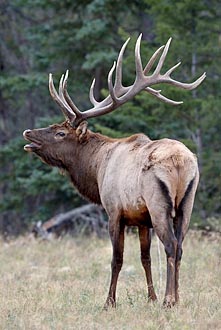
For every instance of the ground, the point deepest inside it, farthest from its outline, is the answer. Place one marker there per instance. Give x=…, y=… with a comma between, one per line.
x=62, y=284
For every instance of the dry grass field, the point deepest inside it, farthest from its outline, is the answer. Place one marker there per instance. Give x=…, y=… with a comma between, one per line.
x=62, y=284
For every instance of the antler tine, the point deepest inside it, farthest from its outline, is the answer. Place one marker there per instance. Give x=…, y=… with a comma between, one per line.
x=73, y=107
x=91, y=94
x=168, y=73
x=118, y=74
x=55, y=96
x=150, y=63
x=162, y=58
x=61, y=94
x=188, y=86
x=110, y=84
x=157, y=94
x=197, y=82
x=138, y=62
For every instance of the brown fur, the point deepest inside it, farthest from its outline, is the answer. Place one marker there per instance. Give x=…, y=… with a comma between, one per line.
x=138, y=181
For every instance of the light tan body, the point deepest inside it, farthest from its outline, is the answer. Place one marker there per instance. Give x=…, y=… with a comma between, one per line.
x=130, y=170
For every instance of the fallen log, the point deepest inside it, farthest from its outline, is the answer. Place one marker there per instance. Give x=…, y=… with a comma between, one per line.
x=86, y=219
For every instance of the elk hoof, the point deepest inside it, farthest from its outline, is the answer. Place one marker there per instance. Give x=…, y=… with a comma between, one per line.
x=110, y=303
x=169, y=302
x=152, y=297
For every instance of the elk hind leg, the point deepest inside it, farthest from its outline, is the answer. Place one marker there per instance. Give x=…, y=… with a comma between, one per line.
x=165, y=233
x=145, y=242
x=160, y=208
x=181, y=224
x=170, y=245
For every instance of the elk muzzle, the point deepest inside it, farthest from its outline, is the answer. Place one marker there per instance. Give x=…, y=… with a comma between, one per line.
x=34, y=145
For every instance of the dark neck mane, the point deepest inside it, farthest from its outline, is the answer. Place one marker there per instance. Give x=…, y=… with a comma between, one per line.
x=86, y=161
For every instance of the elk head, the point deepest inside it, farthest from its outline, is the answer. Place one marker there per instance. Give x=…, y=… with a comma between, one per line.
x=54, y=143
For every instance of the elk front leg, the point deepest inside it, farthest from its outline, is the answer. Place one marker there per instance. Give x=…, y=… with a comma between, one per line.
x=145, y=242
x=116, y=231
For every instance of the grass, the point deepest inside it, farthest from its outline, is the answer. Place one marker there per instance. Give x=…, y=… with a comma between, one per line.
x=62, y=284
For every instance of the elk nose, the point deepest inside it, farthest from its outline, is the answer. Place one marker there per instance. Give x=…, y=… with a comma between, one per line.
x=25, y=133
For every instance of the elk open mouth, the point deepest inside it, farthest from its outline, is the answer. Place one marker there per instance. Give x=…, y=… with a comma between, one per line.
x=34, y=145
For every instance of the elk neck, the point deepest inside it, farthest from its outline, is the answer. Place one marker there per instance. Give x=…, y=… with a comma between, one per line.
x=85, y=163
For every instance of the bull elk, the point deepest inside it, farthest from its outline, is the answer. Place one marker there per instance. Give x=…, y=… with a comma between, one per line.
x=139, y=182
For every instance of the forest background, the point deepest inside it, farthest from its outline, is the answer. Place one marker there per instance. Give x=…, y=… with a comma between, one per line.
x=38, y=37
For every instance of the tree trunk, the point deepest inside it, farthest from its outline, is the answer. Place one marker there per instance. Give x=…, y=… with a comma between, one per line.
x=86, y=219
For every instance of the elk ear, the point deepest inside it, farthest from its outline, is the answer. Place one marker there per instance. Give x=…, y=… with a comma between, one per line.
x=81, y=131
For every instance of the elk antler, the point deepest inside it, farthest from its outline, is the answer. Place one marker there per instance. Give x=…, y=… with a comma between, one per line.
x=119, y=94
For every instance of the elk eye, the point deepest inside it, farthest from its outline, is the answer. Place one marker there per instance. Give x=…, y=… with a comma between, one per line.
x=60, y=134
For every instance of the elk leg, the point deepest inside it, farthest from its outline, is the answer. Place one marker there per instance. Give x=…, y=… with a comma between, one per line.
x=117, y=238
x=177, y=271
x=170, y=249
x=164, y=230
x=160, y=207
x=179, y=236
x=180, y=228
x=181, y=224
x=145, y=242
